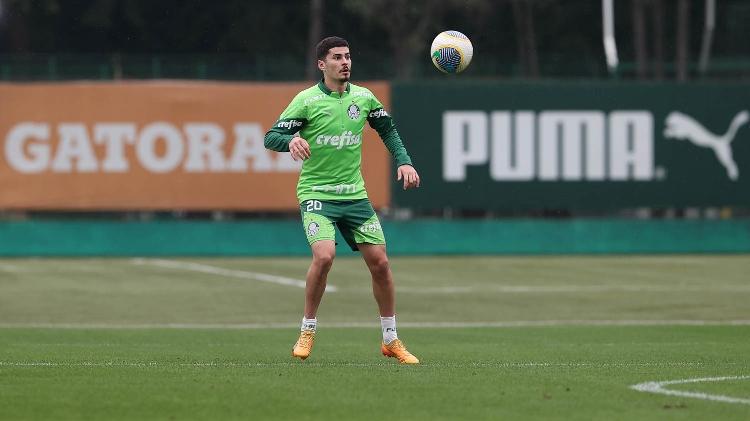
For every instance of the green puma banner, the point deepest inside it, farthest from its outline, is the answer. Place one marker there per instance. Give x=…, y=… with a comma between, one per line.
x=579, y=146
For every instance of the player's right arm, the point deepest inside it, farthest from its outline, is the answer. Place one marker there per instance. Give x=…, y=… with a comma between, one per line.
x=284, y=135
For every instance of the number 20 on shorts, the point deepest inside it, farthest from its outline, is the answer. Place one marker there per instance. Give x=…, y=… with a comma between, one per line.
x=314, y=205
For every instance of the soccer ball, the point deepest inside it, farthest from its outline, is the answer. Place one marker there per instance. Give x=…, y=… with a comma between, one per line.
x=451, y=52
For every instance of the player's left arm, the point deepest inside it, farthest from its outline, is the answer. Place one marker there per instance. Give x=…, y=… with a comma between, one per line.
x=383, y=123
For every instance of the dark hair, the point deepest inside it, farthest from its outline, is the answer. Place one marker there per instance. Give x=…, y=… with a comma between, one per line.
x=321, y=50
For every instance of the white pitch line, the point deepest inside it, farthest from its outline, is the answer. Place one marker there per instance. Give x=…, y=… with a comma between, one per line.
x=366, y=324
x=232, y=364
x=7, y=267
x=546, y=289
x=233, y=273
x=658, y=387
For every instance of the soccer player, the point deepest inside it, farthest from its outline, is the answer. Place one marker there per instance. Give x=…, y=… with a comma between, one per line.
x=322, y=126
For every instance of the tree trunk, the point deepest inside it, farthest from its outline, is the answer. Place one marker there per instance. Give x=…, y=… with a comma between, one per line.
x=531, y=41
x=523, y=61
x=524, y=19
x=401, y=43
x=315, y=33
x=639, y=39
x=408, y=34
x=18, y=33
x=683, y=40
x=402, y=57
x=658, y=21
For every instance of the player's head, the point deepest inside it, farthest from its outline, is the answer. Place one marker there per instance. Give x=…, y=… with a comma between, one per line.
x=334, y=59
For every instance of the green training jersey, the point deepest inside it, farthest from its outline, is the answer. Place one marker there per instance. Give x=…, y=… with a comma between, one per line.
x=332, y=125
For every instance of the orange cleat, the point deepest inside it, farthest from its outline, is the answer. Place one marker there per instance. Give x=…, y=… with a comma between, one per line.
x=396, y=349
x=304, y=344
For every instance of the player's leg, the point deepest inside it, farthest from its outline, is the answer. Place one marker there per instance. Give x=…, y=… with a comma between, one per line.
x=361, y=228
x=376, y=260
x=321, y=237
x=385, y=294
x=315, y=285
x=323, y=252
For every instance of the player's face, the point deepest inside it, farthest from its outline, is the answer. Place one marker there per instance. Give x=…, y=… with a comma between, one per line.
x=337, y=64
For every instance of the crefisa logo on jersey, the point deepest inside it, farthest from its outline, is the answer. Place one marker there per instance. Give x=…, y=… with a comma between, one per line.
x=289, y=124
x=380, y=112
x=353, y=111
x=347, y=138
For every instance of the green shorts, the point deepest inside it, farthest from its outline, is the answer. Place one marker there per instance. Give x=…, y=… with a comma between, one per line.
x=356, y=220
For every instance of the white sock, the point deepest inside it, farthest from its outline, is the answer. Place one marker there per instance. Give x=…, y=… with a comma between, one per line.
x=389, y=329
x=309, y=324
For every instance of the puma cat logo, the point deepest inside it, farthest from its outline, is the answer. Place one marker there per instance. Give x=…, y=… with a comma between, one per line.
x=681, y=126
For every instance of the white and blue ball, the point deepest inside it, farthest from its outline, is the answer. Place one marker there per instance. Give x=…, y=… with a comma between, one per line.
x=451, y=52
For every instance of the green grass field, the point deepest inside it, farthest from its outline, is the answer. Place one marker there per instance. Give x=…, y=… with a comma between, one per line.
x=499, y=338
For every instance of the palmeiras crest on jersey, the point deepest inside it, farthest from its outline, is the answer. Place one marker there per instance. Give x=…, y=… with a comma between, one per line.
x=353, y=111
x=312, y=229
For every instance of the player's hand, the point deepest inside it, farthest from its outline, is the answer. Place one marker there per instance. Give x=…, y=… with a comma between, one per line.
x=299, y=148
x=409, y=175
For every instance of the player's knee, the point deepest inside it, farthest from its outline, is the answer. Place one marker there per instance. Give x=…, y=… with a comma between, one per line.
x=380, y=266
x=324, y=259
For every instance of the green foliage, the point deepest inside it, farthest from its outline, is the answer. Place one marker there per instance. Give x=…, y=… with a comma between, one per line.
x=390, y=36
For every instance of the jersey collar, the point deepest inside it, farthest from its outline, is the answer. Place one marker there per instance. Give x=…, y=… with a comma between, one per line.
x=322, y=86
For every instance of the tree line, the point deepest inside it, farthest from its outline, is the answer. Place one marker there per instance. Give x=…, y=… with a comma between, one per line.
x=660, y=38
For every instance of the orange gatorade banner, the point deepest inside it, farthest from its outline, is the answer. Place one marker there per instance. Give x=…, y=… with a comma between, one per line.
x=156, y=145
